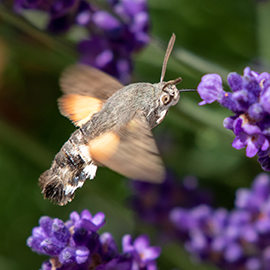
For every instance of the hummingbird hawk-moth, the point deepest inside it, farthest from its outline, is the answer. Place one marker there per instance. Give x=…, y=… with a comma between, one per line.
x=115, y=123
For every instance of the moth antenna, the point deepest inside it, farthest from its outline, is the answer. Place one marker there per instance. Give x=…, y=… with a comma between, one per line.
x=172, y=82
x=166, y=57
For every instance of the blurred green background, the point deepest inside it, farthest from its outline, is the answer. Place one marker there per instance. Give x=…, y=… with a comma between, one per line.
x=211, y=37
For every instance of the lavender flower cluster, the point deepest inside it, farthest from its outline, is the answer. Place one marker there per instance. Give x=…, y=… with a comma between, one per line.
x=250, y=103
x=75, y=244
x=236, y=239
x=116, y=33
x=152, y=203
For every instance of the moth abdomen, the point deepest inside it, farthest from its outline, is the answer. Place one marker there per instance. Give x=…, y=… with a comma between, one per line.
x=72, y=165
x=52, y=188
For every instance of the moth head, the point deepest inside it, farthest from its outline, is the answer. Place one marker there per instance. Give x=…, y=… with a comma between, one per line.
x=167, y=95
x=170, y=94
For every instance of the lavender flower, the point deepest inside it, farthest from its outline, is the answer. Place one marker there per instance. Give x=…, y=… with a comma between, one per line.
x=249, y=101
x=76, y=244
x=236, y=239
x=144, y=255
x=152, y=202
x=114, y=36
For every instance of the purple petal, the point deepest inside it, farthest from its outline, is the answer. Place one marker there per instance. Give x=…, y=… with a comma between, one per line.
x=85, y=214
x=232, y=232
x=218, y=244
x=256, y=111
x=182, y=219
x=241, y=95
x=247, y=72
x=239, y=142
x=235, y=81
x=252, y=149
x=141, y=21
x=132, y=7
x=46, y=265
x=74, y=216
x=127, y=243
x=253, y=264
x=151, y=253
x=99, y=219
x=104, y=58
x=253, y=88
x=86, y=224
x=60, y=231
x=198, y=240
x=84, y=13
x=210, y=88
x=265, y=145
x=243, y=197
x=265, y=100
x=46, y=224
x=262, y=224
x=141, y=242
x=106, y=21
x=233, y=252
x=228, y=101
x=237, y=125
x=67, y=255
x=228, y=123
x=261, y=186
x=34, y=244
x=51, y=247
x=249, y=234
x=38, y=232
x=251, y=129
x=261, y=78
x=108, y=242
x=82, y=255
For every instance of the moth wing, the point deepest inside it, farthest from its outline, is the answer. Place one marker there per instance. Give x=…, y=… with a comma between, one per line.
x=130, y=151
x=79, y=109
x=85, y=90
x=88, y=81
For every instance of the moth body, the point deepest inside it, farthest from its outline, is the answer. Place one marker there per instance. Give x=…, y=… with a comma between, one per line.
x=114, y=129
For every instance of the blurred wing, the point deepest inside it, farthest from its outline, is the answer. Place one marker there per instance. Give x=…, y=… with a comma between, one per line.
x=131, y=151
x=79, y=109
x=85, y=90
x=88, y=81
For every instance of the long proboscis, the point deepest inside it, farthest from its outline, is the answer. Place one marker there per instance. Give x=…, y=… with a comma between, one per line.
x=166, y=57
x=187, y=90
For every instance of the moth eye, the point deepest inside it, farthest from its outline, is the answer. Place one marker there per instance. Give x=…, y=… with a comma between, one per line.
x=166, y=99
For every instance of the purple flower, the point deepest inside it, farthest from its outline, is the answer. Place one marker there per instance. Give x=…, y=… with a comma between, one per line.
x=113, y=36
x=106, y=21
x=152, y=203
x=236, y=239
x=50, y=238
x=210, y=88
x=249, y=102
x=143, y=255
x=87, y=221
x=76, y=244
